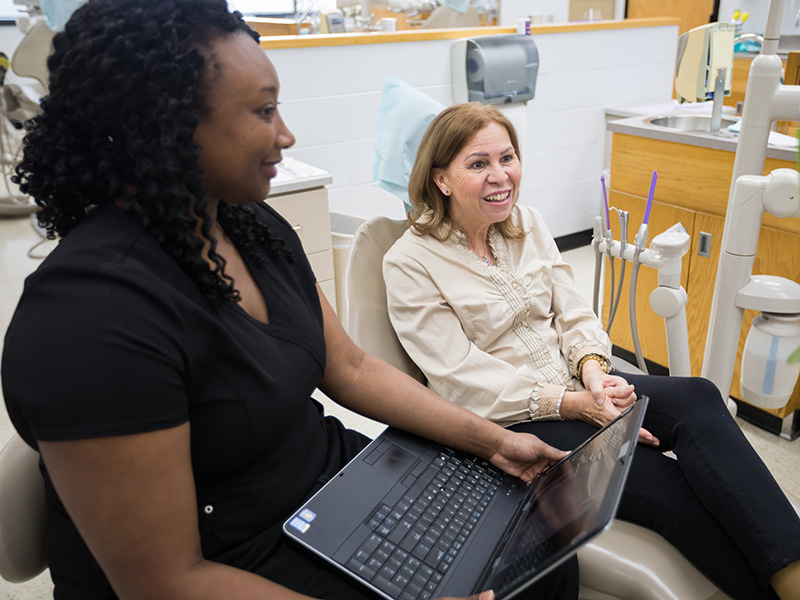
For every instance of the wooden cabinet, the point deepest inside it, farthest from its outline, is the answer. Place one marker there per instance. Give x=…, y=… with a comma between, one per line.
x=693, y=184
x=692, y=13
x=309, y=215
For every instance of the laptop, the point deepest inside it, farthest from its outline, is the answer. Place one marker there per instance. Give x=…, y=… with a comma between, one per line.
x=413, y=520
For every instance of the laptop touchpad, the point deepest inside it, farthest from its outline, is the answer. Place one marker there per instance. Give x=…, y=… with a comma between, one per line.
x=395, y=461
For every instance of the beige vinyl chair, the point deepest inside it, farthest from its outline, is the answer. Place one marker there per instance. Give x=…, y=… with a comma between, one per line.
x=627, y=562
x=22, y=512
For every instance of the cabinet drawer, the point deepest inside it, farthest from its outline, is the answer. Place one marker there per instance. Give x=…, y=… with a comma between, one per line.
x=691, y=177
x=307, y=212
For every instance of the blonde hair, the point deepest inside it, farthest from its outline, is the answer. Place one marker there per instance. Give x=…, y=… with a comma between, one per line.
x=445, y=137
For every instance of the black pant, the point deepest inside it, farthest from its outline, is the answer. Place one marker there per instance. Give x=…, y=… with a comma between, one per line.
x=717, y=504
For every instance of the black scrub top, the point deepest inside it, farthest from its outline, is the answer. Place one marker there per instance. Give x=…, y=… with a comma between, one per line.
x=111, y=337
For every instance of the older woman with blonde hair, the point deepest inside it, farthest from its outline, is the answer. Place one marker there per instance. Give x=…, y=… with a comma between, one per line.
x=483, y=302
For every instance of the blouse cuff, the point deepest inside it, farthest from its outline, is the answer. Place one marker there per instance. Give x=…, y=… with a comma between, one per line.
x=550, y=397
x=581, y=350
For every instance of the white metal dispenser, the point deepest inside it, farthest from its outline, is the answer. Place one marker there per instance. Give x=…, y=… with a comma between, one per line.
x=497, y=69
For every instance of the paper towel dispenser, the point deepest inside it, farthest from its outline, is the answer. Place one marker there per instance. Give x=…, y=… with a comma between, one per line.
x=495, y=69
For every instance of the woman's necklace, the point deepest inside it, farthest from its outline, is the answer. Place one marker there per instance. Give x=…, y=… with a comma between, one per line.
x=486, y=250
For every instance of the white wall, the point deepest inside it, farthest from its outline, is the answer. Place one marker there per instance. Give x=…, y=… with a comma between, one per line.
x=759, y=9
x=330, y=98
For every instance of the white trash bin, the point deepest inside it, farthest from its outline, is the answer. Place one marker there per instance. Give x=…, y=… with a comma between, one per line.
x=342, y=229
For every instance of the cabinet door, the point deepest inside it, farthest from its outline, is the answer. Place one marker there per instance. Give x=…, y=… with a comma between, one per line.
x=692, y=13
x=652, y=334
x=700, y=287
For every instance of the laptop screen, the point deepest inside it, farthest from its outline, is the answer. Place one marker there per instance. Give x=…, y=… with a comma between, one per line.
x=564, y=507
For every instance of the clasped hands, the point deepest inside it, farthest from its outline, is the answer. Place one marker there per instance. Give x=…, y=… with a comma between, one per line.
x=605, y=397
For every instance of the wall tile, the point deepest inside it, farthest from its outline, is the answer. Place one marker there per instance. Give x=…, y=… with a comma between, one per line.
x=582, y=198
x=360, y=159
x=566, y=128
x=332, y=158
x=315, y=122
x=637, y=84
x=570, y=91
x=308, y=73
x=339, y=201
x=370, y=201
x=371, y=64
x=361, y=115
x=576, y=163
x=441, y=93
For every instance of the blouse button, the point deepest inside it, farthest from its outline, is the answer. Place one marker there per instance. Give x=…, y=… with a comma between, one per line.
x=208, y=509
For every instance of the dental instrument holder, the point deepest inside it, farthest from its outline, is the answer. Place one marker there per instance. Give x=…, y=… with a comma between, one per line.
x=776, y=193
x=766, y=100
x=668, y=300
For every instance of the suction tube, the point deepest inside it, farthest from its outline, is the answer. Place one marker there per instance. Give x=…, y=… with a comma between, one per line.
x=598, y=265
x=641, y=243
x=623, y=241
x=602, y=229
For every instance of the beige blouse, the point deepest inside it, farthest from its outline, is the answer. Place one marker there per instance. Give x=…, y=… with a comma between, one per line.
x=503, y=341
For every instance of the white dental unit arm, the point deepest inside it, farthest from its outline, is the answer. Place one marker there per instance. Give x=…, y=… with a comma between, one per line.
x=736, y=289
x=766, y=100
x=668, y=300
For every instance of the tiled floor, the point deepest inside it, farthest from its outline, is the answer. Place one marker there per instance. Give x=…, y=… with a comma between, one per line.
x=17, y=236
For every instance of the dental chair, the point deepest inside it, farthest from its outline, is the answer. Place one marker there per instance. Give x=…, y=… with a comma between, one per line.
x=627, y=562
x=22, y=512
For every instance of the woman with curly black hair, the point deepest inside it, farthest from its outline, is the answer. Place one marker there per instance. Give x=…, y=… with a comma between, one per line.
x=162, y=358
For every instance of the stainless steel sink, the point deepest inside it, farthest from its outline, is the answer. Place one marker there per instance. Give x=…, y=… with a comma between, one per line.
x=787, y=43
x=697, y=123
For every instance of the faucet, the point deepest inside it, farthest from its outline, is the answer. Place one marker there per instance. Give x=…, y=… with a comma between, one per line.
x=719, y=96
x=755, y=36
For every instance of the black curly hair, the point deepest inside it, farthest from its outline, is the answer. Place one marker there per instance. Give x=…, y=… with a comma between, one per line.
x=127, y=88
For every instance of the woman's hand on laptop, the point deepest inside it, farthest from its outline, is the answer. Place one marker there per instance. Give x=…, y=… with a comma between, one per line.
x=525, y=456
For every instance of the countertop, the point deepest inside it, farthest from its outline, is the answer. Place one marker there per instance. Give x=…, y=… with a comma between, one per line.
x=724, y=140
x=417, y=35
x=296, y=176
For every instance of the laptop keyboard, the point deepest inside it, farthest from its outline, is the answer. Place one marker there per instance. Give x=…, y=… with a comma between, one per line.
x=533, y=548
x=413, y=542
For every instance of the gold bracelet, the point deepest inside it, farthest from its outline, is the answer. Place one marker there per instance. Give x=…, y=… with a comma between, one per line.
x=605, y=365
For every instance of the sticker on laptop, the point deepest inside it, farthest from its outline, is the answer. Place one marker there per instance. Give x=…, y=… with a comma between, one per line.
x=299, y=524
x=308, y=515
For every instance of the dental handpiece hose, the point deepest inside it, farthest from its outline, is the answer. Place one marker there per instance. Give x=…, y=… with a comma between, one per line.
x=598, y=263
x=623, y=241
x=604, y=226
x=640, y=243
